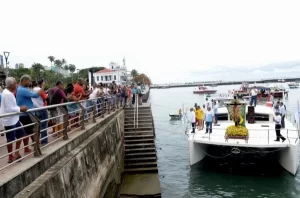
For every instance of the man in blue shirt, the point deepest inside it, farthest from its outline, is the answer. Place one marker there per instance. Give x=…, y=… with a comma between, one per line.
x=23, y=97
x=209, y=117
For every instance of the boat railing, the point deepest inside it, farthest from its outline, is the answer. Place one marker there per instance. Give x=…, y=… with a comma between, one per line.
x=291, y=135
x=85, y=111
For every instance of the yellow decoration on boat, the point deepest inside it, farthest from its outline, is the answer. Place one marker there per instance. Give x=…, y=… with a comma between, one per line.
x=239, y=130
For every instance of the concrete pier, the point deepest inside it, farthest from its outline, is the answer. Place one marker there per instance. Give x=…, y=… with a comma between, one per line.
x=88, y=164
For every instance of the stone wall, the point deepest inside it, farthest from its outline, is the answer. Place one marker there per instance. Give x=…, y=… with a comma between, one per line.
x=88, y=170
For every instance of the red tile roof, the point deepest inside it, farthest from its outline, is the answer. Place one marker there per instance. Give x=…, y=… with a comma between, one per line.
x=105, y=71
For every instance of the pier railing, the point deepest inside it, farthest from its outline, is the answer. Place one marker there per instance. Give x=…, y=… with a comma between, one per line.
x=63, y=124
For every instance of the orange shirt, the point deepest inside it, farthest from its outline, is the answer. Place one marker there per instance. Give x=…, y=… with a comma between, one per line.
x=77, y=90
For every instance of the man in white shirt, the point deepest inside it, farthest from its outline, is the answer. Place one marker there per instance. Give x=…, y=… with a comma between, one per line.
x=215, y=110
x=253, y=96
x=277, y=121
x=282, y=112
x=9, y=105
x=193, y=119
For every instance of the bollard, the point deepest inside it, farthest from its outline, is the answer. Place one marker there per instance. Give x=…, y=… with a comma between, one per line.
x=66, y=122
x=37, y=131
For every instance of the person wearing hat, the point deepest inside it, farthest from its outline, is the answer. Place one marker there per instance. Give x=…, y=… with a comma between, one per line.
x=277, y=120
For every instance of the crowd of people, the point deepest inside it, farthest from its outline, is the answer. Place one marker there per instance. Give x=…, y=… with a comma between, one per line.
x=27, y=94
x=207, y=115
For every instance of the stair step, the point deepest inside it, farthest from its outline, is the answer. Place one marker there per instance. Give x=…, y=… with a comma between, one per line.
x=138, y=140
x=137, y=132
x=139, y=145
x=134, y=129
x=141, y=164
x=143, y=120
x=142, y=170
x=140, y=155
x=139, y=150
x=139, y=125
x=129, y=137
x=140, y=159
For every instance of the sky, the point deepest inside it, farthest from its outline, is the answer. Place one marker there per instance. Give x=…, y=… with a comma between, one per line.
x=169, y=40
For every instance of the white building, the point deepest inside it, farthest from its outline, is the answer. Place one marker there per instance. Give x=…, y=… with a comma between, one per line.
x=113, y=73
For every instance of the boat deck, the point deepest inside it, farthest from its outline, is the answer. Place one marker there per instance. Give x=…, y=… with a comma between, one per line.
x=261, y=135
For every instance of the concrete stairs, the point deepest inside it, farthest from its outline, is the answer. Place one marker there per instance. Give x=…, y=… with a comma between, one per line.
x=140, y=150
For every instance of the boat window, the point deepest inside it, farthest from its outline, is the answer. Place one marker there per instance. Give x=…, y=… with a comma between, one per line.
x=260, y=117
x=223, y=116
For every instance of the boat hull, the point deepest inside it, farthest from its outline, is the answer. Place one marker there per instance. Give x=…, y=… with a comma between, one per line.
x=204, y=91
x=287, y=157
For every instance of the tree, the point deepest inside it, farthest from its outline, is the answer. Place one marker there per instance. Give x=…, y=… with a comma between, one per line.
x=83, y=73
x=143, y=78
x=66, y=67
x=52, y=59
x=134, y=73
x=36, y=70
x=72, y=69
x=58, y=65
x=63, y=62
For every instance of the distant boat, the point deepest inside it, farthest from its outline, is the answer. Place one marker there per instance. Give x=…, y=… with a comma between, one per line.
x=175, y=116
x=214, y=85
x=293, y=85
x=204, y=90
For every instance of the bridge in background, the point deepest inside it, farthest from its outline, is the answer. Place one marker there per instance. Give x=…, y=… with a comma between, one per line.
x=194, y=84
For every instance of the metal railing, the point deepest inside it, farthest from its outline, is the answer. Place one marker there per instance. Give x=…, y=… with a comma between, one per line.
x=253, y=134
x=69, y=117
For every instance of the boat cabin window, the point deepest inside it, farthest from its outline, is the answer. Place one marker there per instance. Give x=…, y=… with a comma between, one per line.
x=223, y=116
x=260, y=117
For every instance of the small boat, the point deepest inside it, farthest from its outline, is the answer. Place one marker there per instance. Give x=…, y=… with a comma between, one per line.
x=175, y=116
x=208, y=96
x=293, y=85
x=204, y=90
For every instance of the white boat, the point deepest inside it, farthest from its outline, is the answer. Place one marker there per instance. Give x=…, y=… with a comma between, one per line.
x=293, y=85
x=261, y=136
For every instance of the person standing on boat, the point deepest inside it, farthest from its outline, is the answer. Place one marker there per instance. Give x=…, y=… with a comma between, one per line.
x=207, y=103
x=215, y=109
x=253, y=96
x=209, y=117
x=282, y=111
x=193, y=119
x=277, y=120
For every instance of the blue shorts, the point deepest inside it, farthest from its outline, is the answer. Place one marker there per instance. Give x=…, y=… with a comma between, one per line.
x=15, y=134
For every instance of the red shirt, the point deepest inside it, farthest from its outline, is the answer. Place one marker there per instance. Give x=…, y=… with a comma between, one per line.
x=77, y=90
x=129, y=92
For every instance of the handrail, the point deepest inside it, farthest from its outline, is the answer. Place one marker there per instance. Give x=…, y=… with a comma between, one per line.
x=49, y=107
x=64, y=127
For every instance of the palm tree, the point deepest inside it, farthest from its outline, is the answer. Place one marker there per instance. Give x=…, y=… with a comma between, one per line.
x=66, y=67
x=58, y=64
x=134, y=73
x=51, y=58
x=72, y=69
x=36, y=68
x=63, y=62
